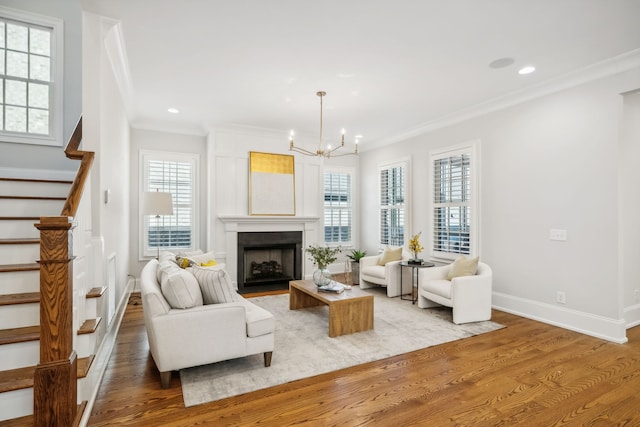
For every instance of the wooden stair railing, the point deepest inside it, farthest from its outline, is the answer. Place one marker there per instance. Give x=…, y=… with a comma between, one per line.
x=55, y=377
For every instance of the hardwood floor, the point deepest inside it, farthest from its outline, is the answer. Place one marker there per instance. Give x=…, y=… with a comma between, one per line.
x=528, y=373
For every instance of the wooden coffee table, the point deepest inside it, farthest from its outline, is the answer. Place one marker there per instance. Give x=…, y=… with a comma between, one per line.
x=350, y=311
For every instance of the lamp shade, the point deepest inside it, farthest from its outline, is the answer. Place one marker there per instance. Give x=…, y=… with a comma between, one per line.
x=157, y=203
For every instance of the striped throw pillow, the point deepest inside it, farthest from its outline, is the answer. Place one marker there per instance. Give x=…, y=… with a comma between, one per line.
x=215, y=285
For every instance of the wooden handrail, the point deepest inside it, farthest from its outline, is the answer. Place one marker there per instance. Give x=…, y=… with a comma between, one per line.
x=86, y=159
x=55, y=386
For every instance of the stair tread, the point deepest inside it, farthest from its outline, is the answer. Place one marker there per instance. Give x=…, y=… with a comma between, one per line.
x=19, y=267
x=48, y=181
x=16, y=335
x=23, y=298
x=20, y=378
x=96, y=292
x=89, y=326
x=19, y=218
x=34, y=197
x=23, y=241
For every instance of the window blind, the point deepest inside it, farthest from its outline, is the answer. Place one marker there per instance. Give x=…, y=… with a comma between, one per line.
x=338, y=208
x=172, y=231
x=392, y=205
x=452, y=204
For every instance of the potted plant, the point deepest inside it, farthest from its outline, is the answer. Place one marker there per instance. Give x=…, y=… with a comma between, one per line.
x=415, y=247
x=355, y=256
x=322, y=256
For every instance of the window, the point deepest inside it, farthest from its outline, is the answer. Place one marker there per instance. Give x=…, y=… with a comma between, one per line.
x=30, y=98
x=177, y=174
x=338, y=207
x=393, y=209
x=455, y=216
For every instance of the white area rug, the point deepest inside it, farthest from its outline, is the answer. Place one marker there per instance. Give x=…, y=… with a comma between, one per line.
x=304, y=349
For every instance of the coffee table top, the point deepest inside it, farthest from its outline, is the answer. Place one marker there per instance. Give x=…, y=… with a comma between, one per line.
x=310, y=288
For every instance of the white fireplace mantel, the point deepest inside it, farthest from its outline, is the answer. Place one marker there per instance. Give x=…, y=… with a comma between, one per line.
x=269, y=223
x=234, y=224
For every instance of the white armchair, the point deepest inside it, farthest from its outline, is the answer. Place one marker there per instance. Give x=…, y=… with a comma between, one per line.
x=469, y=296
x=388, y=275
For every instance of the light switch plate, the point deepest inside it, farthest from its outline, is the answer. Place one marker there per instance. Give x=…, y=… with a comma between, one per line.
x=557, y=234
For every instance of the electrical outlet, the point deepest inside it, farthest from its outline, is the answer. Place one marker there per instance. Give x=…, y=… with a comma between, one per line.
x=561, y=297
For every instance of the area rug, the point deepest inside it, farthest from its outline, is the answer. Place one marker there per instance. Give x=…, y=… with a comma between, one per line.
x=304, y=349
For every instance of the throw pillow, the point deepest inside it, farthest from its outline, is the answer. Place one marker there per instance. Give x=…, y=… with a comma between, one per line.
x=202, y=259
x=166, y=256
x=390, y=254
x=181, y=289
x=215, y=285
x=164, y=267
x=189, y=253
x=463, y=267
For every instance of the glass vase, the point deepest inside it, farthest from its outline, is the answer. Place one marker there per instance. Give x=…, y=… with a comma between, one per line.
x=322, y=277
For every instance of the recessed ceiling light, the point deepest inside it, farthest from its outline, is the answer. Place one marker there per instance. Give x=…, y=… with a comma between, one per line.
x=527, y=70
x=173, y=110
x=501, y=63
x=346, y=75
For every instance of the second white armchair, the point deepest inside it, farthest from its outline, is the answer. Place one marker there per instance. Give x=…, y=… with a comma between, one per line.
x=469, y=296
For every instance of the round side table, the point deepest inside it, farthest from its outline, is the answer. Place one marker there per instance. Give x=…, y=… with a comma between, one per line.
x=415, y=279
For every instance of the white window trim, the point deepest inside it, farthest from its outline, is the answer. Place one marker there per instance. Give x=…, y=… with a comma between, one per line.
x=472, y=147
x=167, y=156
x=406, y=162
x=56, y=112
x=354, y=210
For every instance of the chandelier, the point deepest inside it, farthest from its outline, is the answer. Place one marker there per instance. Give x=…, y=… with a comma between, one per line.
x=322, y=151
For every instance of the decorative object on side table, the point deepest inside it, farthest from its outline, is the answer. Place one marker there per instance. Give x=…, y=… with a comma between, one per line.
x=415, y=247
x=355, y=256
x=322, y=256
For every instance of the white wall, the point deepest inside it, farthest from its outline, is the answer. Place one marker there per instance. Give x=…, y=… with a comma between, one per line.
x=106, y=132
x=629, y=230
x=42, y=157
x=142, y=139
x=548, y=163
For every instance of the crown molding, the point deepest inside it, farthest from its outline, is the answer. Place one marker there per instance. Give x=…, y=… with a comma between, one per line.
x=618, y=64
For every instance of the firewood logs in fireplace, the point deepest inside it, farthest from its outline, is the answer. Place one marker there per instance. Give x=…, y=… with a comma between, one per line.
x=265, y=269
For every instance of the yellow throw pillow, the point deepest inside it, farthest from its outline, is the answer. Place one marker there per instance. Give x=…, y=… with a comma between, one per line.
x=463, y=267
x=390, y=254
x=209, y=263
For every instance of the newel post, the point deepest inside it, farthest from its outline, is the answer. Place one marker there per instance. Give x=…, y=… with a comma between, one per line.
x=55, y=383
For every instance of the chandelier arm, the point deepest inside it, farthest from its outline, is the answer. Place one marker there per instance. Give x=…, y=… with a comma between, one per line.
x=302, y=150
x=321, y=152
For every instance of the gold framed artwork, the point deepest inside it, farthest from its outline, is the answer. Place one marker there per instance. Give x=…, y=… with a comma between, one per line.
x=271, y=184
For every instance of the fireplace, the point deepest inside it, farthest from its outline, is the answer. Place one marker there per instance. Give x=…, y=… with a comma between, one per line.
x=268, y=260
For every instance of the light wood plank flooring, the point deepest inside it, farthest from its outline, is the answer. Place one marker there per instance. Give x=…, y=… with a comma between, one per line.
x=529, y=374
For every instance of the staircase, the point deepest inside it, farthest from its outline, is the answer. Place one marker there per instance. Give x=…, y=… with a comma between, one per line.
x=41, y=338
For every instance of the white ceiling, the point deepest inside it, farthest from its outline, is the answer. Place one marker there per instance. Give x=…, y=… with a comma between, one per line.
x=388, y=66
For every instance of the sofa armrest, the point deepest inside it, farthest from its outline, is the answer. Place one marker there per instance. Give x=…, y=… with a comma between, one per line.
x=197, y=336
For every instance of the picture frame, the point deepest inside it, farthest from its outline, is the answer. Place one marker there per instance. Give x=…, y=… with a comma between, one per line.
x=271, y=184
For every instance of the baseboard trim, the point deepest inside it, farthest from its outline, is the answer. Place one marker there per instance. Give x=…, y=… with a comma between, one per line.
x=632, y=315
x=104, y=353
x=589, y=324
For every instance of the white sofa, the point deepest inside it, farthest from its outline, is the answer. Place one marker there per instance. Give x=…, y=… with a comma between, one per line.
x=469, y=296
x=388, y=275
x=182, y=338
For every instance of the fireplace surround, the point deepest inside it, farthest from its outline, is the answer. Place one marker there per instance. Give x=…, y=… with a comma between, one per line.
x=268, y=260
